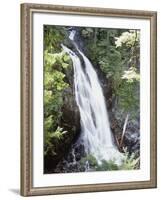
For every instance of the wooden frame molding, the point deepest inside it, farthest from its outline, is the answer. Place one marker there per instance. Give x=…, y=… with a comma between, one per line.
x=27, y=11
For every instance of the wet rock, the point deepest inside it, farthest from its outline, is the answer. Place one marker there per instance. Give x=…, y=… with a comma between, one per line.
x=132, y=137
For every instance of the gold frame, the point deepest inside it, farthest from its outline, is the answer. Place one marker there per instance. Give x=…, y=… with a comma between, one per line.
x=27, y=11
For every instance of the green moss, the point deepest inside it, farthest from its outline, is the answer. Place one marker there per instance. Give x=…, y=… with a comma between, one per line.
x=91, y=160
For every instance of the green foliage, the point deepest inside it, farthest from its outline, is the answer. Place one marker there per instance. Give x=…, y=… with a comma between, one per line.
x=131, y=75
x=87, y=32
x=52, y=138
x=55, y=62
x=91, y=160
x=53, y=37
x=128, y=97
x=129, y=161
x=58, y=134
x=54, y=84
x=107, y=166
x=128, y=89
x=111, y=63
x=117, y=53
x=128, y=38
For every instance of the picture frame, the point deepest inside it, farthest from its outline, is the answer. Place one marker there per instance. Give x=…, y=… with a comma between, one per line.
x=28, y=93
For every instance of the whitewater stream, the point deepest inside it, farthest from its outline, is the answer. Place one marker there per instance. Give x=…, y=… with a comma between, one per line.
x=96, y=135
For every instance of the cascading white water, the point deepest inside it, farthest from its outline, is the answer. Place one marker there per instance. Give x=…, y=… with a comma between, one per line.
x=95, y=129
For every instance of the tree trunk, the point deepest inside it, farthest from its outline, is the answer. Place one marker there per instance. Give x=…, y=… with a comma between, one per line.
x=124, y=129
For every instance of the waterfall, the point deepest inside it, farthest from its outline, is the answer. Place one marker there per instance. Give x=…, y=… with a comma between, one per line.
x=95, y=134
